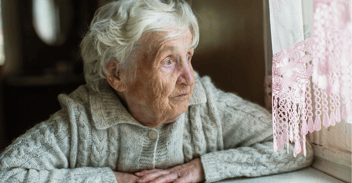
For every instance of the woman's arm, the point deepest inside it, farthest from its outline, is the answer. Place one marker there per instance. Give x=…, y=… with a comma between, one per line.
x=47, y=153
x=247, y=140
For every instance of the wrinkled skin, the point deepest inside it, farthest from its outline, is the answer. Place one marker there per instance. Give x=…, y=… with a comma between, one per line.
x=186, y=173
x=163, y=72
x=126, y=177
x=159, y=93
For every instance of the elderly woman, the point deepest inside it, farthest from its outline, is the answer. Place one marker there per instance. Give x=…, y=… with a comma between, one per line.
x=145, y=115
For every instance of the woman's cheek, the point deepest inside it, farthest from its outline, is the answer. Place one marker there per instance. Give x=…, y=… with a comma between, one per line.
x=167, y=80
x=167, y=69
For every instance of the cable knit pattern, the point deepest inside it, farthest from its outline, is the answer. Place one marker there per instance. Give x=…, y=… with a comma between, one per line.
x=114, y=148
x=187, y=147
x=198, y=135
x=94, y=135
x=99, y=147
x=246, y=138
x=83, y=141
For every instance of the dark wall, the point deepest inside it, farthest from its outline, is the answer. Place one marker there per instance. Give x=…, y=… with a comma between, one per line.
x=41, y=59
x=29, y=94
x=231, y=46
x=2, y=128
x=28, y=101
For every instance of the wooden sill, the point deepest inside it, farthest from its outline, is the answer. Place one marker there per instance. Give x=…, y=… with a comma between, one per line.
x=306, y=175
x=333, y=162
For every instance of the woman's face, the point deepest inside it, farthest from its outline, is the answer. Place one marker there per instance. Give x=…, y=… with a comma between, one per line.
x=164, y=80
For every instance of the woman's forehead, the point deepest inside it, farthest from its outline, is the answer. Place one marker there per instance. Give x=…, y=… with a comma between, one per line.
x=155, y=42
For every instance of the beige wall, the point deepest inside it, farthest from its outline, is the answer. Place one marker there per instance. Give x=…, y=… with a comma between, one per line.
x=231, y=46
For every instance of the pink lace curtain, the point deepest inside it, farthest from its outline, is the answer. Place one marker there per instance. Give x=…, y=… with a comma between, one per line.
x=311, y=81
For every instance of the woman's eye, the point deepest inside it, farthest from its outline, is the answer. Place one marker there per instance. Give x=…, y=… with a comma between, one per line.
x=168, y=62
x=188, y=57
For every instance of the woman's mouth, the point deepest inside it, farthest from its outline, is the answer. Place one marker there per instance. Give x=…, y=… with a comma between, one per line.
x=181, y=97
x=185, y=94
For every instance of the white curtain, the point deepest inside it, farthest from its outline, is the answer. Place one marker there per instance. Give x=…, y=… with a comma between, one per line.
x=311, y=68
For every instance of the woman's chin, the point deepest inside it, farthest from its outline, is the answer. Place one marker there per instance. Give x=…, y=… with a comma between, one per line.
x=171, y=120
x=168, y=121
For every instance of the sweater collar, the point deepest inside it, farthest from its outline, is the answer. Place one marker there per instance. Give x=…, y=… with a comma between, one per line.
x=107, y=109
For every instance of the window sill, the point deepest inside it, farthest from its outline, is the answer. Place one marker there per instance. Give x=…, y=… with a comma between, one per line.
x=306, y=175
x=333, y=162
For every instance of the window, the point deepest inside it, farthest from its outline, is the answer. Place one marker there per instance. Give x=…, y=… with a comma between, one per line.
x=52, y=20
x=45, y=20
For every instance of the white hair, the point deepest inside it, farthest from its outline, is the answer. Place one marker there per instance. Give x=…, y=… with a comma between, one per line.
x=117, y=27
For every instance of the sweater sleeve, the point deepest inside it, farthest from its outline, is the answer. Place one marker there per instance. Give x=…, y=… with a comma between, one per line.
x=46, y=153
x=246, y=132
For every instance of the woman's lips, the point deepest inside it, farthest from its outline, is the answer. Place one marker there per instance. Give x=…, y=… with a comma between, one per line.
x=185, y=94
x=181, y=97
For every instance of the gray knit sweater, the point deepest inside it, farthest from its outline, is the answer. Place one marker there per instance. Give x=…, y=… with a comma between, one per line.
x=94, y=135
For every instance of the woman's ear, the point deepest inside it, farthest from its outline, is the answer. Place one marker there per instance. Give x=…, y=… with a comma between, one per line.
x=114, y=75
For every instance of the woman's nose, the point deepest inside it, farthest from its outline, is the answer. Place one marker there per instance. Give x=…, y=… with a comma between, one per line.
x=186, y=76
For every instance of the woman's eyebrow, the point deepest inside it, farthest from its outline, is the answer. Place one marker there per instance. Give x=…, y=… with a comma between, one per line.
x=168, y=48
x=165, y=49
x=172, y=49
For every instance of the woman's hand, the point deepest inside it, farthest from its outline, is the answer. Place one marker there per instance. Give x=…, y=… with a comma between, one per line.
x=125, y=177
x=189, y=172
